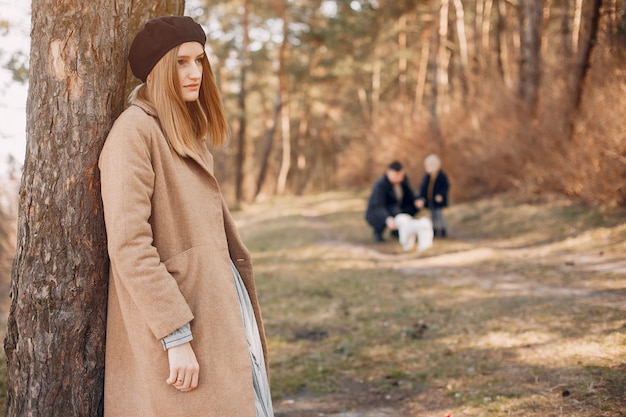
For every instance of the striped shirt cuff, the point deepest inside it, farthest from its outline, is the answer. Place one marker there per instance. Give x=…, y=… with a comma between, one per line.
x=177, y=337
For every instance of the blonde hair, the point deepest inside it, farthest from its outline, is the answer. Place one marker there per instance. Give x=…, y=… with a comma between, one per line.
x=432, y=163
x=186, y=125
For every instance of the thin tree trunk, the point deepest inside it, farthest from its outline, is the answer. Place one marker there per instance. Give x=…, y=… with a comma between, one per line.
x=583, y=64
x=578, y=13
x=531, y=51
x=268, y=142
x=436, y=68
x=421, y=74
x=365, y=109
x=284, y=110
x=522, y=73
x=486, y=28
x=241, y=104
x=460, y=30
x=478, y=24
x=443, y=59
x=621, y=29
x=402, y=61
x=566, y=33
x=376, y=74
x=502, y=45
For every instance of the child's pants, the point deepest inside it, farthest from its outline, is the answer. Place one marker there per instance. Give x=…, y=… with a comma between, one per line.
x=439, y=225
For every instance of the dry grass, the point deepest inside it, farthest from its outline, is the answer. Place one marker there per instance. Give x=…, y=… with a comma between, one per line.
x=520, y=312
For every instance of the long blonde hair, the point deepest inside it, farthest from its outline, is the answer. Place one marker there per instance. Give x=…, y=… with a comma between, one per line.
x=186, y=125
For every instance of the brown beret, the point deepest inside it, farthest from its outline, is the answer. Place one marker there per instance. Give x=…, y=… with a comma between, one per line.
x=157, y=37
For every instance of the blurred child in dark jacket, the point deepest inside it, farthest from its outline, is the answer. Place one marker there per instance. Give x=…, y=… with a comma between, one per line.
x=433, y=193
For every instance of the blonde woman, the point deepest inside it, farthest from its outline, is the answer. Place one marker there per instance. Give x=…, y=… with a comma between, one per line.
x=184, y=329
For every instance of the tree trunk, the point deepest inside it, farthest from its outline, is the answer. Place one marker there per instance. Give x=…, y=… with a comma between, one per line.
x=403, y=60
x=478, y=24
x=460, y=30
x=486, y=28
x=566, y=33
x=421, y=74
x=376, y=82
x=621, y=28
x=56, y=325
x=583, y=64
x=285, y=165
x=443, y=60
x=578, y=13
x=241, y=103
x=502, y=45
x=532, y=12
x=436, y=67
x=267, y=146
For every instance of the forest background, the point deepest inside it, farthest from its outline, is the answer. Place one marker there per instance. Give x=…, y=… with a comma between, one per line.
x=524, y=96
x=323, y=94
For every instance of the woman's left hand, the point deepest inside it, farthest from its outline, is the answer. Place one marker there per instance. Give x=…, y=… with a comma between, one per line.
x=184, y=367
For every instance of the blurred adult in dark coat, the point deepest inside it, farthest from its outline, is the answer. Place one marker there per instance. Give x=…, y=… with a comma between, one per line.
x=391, y=195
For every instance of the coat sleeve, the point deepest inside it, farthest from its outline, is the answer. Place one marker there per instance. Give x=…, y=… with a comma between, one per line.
x=377, y=211
x=127, y=184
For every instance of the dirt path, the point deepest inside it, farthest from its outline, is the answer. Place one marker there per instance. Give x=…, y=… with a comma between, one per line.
x=463, y=261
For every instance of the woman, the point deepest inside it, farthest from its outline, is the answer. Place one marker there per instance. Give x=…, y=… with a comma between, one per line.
x=184, y=330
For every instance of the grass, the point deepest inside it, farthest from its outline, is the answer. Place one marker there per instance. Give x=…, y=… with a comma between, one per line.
x=519, y=313
x=497, y=320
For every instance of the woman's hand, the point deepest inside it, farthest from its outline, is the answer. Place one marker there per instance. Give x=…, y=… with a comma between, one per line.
x=184, y=368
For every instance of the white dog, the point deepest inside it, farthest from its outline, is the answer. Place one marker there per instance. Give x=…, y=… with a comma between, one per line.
x=411, y=229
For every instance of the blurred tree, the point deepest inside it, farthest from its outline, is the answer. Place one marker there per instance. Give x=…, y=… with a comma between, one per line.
x=328, y=89
x=587, y=43
x=241, y=101
x=283, y=91
x=531, y=13
x=56, y=325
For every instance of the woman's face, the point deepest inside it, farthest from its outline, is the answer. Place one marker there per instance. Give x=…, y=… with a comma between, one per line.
x=189, y=67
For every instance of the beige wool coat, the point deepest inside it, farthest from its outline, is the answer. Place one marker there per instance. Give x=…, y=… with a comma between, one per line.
x=170, y=236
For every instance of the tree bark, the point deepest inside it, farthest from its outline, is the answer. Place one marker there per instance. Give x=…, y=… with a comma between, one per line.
x=285, y=165
x=443, y=59
x=267, y=146
x=621, y=28
x=583, y=64
x=421, y=74
x=462, y=38
x=56, y=325
x=566, y=33
x=501, y=44
x=578, y=13
x=403, y=60
x=532, y=12
x=436, y=68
